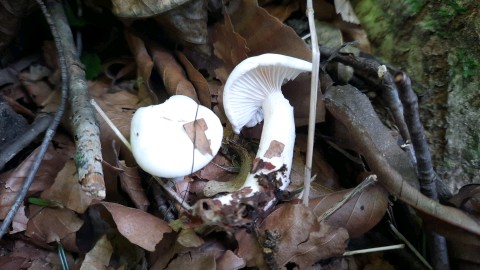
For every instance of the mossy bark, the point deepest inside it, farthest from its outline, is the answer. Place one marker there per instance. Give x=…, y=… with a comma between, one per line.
x=438, y=44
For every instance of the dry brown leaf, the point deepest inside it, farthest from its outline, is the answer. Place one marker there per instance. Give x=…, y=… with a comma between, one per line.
x=39, y=91
x=12, y=181
x=131, y=183
x=468, y=199
x=265, y=33
x=196, y=132
x=284, y=10
x=464, y=252
x=67, y=190
x=196, y=78
x=187, y=25
x=302, y=240
x=143, y=8
x=188, y=238
x=172, y=74
x=122, y=68
x=228, y=46
x=249, y=249
x=230, y=261
x=98, y=257
x=47, y=225
x=193, y=261
x=166, y=250
x=9, y=262
x=326, y=179
x=139, y=227
x=144, y=62
x=216, y=169
x=20, y=220
x=359, y=214
x=37, y=258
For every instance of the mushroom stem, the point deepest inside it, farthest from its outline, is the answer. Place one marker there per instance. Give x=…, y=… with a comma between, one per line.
x=275, y=151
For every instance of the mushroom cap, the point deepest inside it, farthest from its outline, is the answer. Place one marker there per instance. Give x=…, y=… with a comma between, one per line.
x=160, y=144
x=252, y=81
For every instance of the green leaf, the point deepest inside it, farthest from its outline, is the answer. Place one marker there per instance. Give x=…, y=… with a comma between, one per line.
x=92, y=65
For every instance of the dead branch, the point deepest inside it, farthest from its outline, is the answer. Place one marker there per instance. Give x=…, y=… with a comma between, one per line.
x=51, y=129
x=88, y=156
x=342, y=109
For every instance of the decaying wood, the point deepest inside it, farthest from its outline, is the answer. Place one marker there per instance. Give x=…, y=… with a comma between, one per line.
x=88, y=156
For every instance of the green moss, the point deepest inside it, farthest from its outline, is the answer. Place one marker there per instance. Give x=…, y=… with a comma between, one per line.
x=464, y=63
x=414, y=6
x=440, y=20
x=373, y=18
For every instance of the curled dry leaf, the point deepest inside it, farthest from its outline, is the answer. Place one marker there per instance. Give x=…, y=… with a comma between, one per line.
x=359, y=214
x=12, y=181
x=381, y=136
x=98, y=257
x=228, y=46
x=47, y=225
x=193, y=261
x=143, y=8
x=188, y=238
x=196, y=78
x=131, y=183
x=139, y=227
x=301, y=239
x=67, y=190
x=172, y=74
x=144, y=68
x=468, y=199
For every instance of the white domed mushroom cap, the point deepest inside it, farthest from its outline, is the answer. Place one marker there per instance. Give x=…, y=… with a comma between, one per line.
x=160, y=144
x=252, y=81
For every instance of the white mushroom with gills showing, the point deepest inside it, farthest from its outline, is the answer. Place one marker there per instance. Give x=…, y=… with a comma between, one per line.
x=253, y=93
x=175, y=138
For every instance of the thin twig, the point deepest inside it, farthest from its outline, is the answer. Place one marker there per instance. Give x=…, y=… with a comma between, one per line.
x=40, y=124
x=110, y=124
x=313, y=102
x=51, y=130
x=371, y=179
x=409, y=245
x=370, y=250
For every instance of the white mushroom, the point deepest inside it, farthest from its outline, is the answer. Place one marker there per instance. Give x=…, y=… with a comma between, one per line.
x=162, y=147
x=253, y=93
